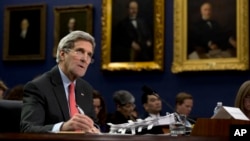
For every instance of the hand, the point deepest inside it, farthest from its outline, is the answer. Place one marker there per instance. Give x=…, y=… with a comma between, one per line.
x=79, y=122
x=94, y=130
x=213, y=46
x=232, y=42
x=135, y=46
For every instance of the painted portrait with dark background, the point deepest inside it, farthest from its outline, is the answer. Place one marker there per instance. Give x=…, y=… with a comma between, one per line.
x=70, y=18
x=211, y=29
x=24, y=37
x=132, y=31
x=24, y=32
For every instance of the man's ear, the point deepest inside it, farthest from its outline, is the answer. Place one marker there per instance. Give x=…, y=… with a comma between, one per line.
x=62, y=54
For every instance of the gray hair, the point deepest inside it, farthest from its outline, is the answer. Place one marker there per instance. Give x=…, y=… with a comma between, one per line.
x=123, y=97
x=67, y=42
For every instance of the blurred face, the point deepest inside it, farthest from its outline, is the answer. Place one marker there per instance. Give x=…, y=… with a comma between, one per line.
x=24, y=24
x=247, y=103
x=97, y=105
x=71, y=24
x=185, y=108
x=75, y=62
x=206, y=11
x=127, y=109
x=153, y=105
x=133, y=10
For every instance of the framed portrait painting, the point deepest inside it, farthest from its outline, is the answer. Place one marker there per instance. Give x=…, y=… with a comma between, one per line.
x=211, y=35
x=24, y=32
x=70, y=18
x=132, y=35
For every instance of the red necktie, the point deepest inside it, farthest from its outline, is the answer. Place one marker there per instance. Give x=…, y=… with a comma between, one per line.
x=72, y=101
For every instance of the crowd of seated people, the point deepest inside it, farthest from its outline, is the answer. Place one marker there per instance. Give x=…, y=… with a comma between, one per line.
x=126, y=109
x=152, y=104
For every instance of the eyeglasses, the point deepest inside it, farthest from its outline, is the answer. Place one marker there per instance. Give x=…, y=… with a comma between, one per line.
x=81, y=53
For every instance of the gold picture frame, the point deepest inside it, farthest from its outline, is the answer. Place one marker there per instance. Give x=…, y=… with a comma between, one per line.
x=81, y=16
x=108, y=15
x=24, y=32
x=182, y=63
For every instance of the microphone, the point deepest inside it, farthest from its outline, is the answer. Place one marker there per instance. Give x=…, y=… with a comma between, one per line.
x=170, y=107
x=190, y=119
x=148, y=90
x=167, y=104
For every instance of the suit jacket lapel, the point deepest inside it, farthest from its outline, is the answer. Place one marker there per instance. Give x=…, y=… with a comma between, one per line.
x=80, y=93
x=59, y=92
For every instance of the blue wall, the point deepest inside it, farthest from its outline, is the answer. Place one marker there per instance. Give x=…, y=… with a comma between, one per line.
x=206, y=87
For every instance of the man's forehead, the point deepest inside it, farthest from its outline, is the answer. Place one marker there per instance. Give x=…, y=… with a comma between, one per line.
x=153, y=96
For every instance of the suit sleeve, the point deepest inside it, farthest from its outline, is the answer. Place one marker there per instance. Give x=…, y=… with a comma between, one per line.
x=33, y=111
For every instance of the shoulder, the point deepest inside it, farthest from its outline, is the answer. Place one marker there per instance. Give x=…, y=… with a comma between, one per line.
x=47, y=78
x=84, y=86
x=84, y=83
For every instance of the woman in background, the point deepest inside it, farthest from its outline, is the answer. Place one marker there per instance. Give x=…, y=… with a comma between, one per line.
x=100, y=110
x=242, y=99
x=16, y=93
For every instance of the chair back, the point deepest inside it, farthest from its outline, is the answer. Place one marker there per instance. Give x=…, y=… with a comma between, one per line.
x=10, y=114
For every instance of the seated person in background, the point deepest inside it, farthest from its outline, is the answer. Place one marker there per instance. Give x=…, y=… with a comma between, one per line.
x=3, y=89
x=151, y=102
x=152, y=105
x=16, y=93
x=124, y=102
x=100, y=110
x=183, y=106
x=242, y=99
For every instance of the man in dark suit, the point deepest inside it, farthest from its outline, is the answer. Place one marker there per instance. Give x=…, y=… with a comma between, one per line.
x=132, y=39
x=207, y=37
x=152, y=105
x=151, y=102
x=47, y=100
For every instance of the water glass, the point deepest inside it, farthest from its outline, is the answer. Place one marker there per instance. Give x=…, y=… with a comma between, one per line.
x=178, y=127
